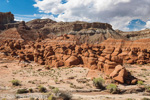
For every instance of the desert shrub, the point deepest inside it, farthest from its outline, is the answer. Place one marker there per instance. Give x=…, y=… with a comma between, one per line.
x=42, y=89
x=4, y=99
x=51, y=97
x=145, y=99
x=130, y=99
x=113, y=88
x=21, y=91
x=144, y=69
x=5, y=66
x=32, y=99
x=99, y=83
x=55, y=90
x=65, y=95
x=140, y=83
x=51, y=87
x=31, y=90
x=147, y=88
x=15, y=82
x=72, y=85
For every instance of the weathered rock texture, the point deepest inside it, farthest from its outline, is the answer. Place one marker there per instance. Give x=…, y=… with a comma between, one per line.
x=7, y=21
x=39, y=23
x=121, y=75
x=61, y=51
x=93, y=45
x=135, y=35
x=83, y=31
x=22, y=33
x=6, y=18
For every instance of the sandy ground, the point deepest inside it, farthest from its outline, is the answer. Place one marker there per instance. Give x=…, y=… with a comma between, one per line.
x=76, y=80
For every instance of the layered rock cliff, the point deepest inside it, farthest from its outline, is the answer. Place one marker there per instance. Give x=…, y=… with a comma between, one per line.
x=7, y=17
x=7, y=21
x=135, y=35
x=85, y=32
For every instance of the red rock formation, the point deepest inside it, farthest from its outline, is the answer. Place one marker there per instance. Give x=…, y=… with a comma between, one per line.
x=121, y=75
x=104, y=57
x=6, y=17
x=72, y=61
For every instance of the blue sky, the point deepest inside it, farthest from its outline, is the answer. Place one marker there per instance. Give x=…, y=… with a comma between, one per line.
x=125, y=15
x=22, y=9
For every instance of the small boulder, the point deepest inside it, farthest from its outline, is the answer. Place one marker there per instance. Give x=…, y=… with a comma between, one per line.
x=72, y=61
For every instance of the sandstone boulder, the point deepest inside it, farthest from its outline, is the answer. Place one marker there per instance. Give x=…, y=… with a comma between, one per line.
x=117, y=59
x=121, y=75
x=109, y=67
x=116, y=52
x=102, y=59
x=72, y=61
x=59, y=64
x=130, y=61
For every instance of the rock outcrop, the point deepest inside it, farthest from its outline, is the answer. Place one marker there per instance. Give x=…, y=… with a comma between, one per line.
x=83, y=31
x=6, y=18
x=93, y=45
x=135, y=35
x=7, y=21
x=107, y=58
x=39, y=23
x=121, y=75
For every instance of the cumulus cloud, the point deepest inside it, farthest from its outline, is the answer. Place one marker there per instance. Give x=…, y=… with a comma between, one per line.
x=148, y=24
x=116, y=12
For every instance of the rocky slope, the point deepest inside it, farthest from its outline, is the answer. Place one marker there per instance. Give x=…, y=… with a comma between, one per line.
x=39, y=23
x=135, y=35
x=85, y=32
x=21, y=33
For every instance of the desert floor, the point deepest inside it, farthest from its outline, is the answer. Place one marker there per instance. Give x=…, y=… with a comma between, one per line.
x=76, y=81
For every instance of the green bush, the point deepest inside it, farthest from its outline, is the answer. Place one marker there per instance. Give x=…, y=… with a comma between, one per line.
x=15, y=82
x=113, y=88
x=42, y=89
x=51, y=97
x=21, y=91
x=140, y=83
x=99, y=83
x=55, y=90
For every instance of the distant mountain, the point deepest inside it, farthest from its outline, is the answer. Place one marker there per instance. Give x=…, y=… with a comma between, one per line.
x=135, y=35
x=95, y=32
x=86, y=32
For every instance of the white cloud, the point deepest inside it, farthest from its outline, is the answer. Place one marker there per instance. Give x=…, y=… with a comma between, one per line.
x=116, y=12
x=26, y=18
x=148, y=24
